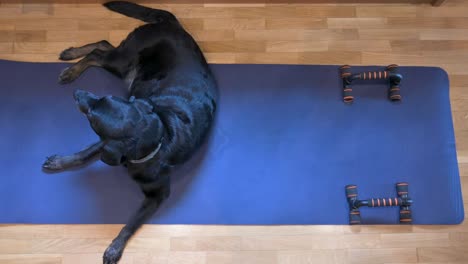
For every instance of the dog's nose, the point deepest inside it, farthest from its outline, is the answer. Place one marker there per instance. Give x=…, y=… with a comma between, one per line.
x=79, y=94
x=84, y=100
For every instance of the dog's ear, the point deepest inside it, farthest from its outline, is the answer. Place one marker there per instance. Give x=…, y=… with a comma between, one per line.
x=113, y=153
x=143, y=105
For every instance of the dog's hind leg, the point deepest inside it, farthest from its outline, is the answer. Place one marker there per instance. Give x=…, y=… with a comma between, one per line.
x=97, y=57
x=78, y=52
x=150, y=205
x=58, y=163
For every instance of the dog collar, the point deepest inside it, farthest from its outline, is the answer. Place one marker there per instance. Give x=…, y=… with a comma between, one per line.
x=149, y=156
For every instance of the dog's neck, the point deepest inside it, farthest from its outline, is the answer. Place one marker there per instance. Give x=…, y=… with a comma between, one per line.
x=149, y=156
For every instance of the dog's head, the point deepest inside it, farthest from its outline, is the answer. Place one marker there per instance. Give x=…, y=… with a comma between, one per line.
x=130, y=128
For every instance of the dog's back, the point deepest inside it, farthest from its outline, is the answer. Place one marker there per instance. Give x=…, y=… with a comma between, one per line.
x=169, y=69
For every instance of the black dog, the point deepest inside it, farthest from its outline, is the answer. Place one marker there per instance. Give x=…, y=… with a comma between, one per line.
x=169, y=112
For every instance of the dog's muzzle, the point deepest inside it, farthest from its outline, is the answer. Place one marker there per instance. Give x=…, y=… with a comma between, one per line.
x=84, y=100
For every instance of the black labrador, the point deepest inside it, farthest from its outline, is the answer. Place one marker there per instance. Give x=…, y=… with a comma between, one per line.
x=164, y=121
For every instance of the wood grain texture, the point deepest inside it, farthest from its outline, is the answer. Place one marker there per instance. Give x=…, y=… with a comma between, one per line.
x=257, y=33
x=437, y=2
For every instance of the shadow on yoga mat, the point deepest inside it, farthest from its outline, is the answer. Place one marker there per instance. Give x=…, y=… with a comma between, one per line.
x=282, y=150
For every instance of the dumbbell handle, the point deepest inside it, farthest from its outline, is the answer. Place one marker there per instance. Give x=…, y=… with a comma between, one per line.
x=376, y=75
x=381, y=202
x=379, y=75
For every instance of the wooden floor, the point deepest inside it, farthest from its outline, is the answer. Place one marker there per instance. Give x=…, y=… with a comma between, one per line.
x=308, y=34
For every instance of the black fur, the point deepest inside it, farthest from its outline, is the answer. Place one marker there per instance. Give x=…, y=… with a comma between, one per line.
x=172, y=106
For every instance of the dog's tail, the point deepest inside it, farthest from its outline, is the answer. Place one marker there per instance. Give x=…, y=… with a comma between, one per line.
x=146, y=14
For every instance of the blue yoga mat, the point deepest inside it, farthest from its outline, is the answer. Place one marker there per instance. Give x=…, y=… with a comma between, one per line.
x=281, y=152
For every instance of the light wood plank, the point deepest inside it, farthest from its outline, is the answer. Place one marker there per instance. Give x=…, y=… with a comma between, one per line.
x=442, y=254
x=357, y=23
x=420, y=58
x=30, y=259
x=108, y=24
x=378, y=256
x=460, y=239
x=459, y=80
x=237, y=257
x=312, y=256
x=360, y=45
x=428, y=22
x=127, y=258
x=296, y=11
x=31, y=231
x=82, y=37
x=30, y=35
x=46, y=24
x=205, y=243
x=460, y=121
x=389, y=34
x=296, y=23
x=6, y=47
x=95, y=11
x=387, y=11
x=176, y=257
x=331, y=57
x=192, y=23
x=34, y=57
x=296, y=46
x=416, y=46
x=362, y=241
x=320, y=34
x=438, y=2
x=370, y=229
x=259, y=58
x=221, y=57
x=233, y=23
x=444, y=34
x=415, y=240
x=232, y=46
x=213, y=35
x=7, y=36
x=291, y=242
x=41, y=47
x=445, y=11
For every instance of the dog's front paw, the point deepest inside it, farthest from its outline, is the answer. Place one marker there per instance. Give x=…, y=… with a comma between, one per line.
x=68, y=75
x=53, y=163
x=112, y=254
x=68, y=54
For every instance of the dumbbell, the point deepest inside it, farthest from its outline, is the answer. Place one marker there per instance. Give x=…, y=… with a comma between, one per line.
x=403, y=201
x=391, y=74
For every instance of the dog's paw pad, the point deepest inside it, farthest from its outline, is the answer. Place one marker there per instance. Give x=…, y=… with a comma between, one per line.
x=67, y=54
x=52, y=163
x=67, y=76
x=112, y=255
